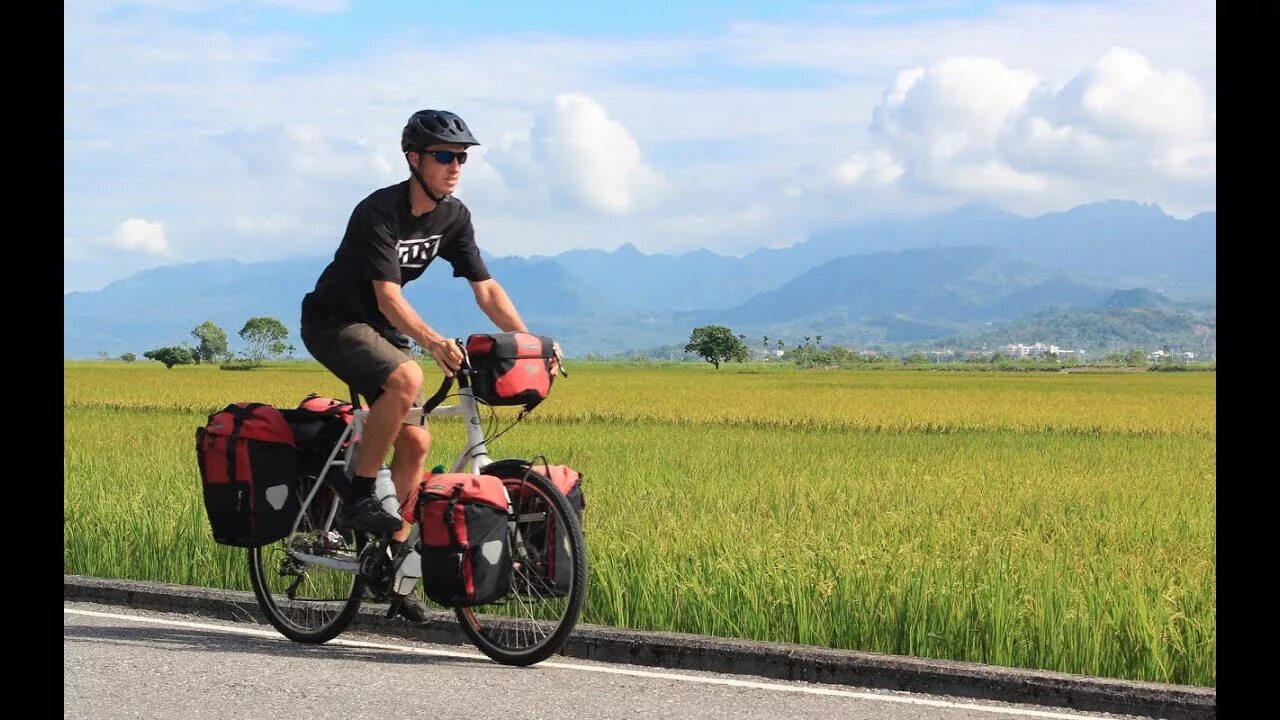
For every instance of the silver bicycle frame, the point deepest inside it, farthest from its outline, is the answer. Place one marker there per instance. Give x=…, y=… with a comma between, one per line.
x=475, y=456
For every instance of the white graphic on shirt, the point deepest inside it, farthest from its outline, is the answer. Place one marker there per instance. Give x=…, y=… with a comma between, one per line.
x=418, y=252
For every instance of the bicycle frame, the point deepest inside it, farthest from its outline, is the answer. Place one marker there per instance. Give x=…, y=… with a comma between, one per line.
x=475, y=456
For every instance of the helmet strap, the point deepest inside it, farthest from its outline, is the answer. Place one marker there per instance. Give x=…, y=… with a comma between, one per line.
x=423, y=183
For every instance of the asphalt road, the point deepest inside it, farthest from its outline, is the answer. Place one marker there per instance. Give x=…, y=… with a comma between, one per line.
x=127, y=663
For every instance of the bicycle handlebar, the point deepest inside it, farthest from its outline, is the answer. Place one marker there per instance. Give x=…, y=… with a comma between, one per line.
x=441, y=394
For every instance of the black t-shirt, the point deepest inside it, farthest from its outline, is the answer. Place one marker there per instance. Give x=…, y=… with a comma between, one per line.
x=384, y=242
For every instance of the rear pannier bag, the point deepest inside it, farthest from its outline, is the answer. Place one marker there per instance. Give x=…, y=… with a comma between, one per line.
x=317, y=424
x=465, y=550
x=248, y=467
x=511, y=368
x=549, y=545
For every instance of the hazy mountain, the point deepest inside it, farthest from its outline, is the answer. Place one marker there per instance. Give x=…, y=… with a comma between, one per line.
x=886, y=282
x=1120, y=243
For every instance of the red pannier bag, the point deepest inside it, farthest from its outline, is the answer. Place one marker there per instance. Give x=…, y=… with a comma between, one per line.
x=248, y=469
x=549, y=544
x=510, y=368
x=317, y=424
x=463, y=541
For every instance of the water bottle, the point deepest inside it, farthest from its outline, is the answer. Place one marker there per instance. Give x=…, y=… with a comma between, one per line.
x=385, y=490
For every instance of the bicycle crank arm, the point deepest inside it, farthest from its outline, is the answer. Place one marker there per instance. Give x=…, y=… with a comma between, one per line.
x=394, y=607
x=350, y=566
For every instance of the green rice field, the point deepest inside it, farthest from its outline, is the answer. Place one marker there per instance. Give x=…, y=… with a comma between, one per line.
x=1058, y=521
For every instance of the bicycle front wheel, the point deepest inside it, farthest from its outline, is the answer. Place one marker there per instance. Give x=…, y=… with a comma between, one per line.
x=306, y=584
x=548, y=578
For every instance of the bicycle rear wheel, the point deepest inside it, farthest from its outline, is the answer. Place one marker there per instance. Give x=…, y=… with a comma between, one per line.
x=548, y=578
x=298, y=582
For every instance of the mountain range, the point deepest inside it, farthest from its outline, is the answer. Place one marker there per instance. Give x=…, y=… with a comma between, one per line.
x=951, y=275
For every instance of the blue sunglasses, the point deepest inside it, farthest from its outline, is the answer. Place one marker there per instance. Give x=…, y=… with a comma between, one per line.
x=445, y=157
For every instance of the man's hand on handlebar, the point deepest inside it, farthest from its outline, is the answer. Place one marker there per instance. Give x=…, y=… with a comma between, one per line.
x=556, y=364
x=447, y=355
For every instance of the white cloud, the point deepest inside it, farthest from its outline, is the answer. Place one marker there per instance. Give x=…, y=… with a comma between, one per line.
x=1119, y=117
x=941, y=124
x=236, y=134
x=592, y=157
x=976, y=128
x=877, y=166
x=137, y=235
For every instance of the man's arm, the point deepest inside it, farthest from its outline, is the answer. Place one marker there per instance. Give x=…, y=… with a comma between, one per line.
x=393, y=305
x=495, y=303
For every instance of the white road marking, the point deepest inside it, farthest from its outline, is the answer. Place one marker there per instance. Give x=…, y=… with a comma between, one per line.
x=809, y=690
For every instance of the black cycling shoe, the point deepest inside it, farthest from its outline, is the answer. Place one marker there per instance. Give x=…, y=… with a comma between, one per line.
x=367, y=514
x=413, y=609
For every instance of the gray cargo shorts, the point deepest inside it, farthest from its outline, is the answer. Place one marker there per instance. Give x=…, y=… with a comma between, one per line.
x=359, y=355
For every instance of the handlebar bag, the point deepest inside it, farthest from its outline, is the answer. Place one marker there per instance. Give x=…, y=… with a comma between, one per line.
x=510, y=368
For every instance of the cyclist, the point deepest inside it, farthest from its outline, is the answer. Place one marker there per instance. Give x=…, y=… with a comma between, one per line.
x=357, y=323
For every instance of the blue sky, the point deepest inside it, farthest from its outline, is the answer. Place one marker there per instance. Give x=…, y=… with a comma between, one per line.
x=196, y=129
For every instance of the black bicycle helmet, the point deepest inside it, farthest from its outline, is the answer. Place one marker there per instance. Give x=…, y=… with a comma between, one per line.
x=435, y=127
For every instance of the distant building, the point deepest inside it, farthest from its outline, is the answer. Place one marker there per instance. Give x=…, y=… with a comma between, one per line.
x=1018, y=350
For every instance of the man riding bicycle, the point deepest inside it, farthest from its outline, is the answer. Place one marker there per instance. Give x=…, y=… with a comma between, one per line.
x=357, y=323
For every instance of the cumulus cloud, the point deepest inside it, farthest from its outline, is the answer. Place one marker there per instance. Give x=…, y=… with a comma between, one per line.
x=137, y=235
x=974, y=127
x=593, y=158
x=1118, y=117
x=877, y=166
x=941, y=124
x=305, y=151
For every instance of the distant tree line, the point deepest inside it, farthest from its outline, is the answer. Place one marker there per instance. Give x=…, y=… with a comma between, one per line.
x=717, y=344
x=265, y=338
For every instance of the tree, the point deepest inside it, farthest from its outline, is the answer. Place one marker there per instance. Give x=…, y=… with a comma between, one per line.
x=128, y=357
x=170, y=356
x=213, y=342
x=265, y=337
x=1136, y=358
x=716, y=344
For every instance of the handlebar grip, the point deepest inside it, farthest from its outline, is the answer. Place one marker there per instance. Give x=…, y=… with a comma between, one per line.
x=439, y=397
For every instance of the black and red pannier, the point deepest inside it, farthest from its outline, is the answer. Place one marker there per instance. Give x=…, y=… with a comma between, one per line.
x=465, y=549
x=547, y=543
x=248, y=469
x=510, y=368
x=318, y=423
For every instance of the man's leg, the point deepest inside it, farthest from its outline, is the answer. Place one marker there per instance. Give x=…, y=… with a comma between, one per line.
x=387, y=375
x=386, y=416
x=412, y=446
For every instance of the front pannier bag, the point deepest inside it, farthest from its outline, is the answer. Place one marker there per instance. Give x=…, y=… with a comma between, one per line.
x=551, y=570
x=510, y=368
x=248, y=468
x=465, y=550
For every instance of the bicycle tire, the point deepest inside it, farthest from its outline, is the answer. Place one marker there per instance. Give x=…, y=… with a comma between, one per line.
x=309, y=620
x=490, y=631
